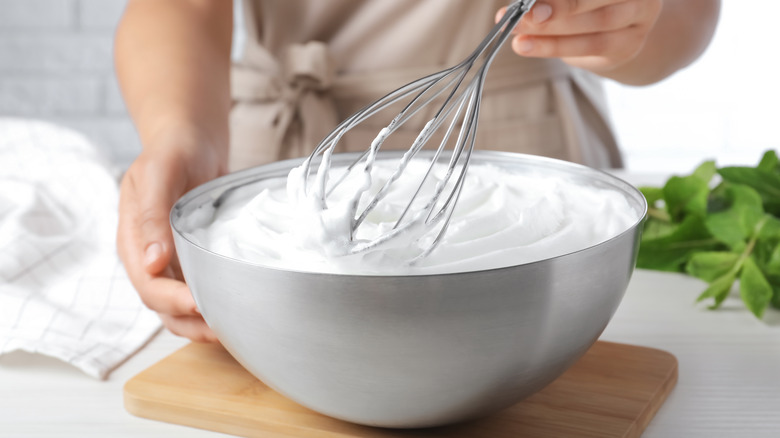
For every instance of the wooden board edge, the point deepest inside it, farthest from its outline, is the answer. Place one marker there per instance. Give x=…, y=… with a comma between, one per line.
x=181, y=415
x=660, y=396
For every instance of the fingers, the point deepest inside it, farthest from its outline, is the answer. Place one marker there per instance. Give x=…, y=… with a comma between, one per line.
x=543, y=11
x=609, y=45
x=609, y=17
x=191, y=327
x=570, y=7
x=155, y=199
x=168, y=296
x=598, y=35
x=145, y=243
x=159, y=292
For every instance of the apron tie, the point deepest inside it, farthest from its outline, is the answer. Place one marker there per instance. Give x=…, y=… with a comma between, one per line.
x=290, y=102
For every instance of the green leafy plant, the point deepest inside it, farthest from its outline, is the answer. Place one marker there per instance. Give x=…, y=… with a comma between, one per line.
x=720, y=225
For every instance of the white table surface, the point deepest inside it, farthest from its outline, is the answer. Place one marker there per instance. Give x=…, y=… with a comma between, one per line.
x=729, y=373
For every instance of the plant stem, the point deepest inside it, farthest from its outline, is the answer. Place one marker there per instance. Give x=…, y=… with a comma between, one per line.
x=658, y=213
x=751, y=244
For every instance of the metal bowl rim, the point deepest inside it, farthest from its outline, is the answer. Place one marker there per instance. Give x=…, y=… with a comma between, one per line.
x=248, y=176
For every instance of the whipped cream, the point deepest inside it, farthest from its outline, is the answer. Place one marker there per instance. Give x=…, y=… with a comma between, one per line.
x=503, y=218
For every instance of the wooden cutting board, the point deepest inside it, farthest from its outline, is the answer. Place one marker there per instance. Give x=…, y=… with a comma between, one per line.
x=614, y=390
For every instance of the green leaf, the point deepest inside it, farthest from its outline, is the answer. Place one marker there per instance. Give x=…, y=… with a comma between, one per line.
x=773, y=277
x=773, y=264
x=719, y=290
x=735, y=224
x=772, y=207
x=775, y=302
x=771, y=229
x=719, y=234
x=769, y=162
x=766, y=250
x=765, y=182
x=762, y=252
x=705, y=171
x=655, y=229
x=686, y=195
x=652, y=194
x=754, y=288
x=711, y=265
x=718, y=200
x=670, y=252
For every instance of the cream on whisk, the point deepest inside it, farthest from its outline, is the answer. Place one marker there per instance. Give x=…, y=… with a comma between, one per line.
x=503, y=218
x=337, y=223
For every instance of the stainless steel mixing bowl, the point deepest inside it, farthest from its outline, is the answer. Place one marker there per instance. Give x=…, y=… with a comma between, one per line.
x=409, y=351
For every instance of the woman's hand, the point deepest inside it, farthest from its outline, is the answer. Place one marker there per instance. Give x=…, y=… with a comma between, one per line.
x=151, y=186
x=632, y=41
x=173, y=65
x=596, y=35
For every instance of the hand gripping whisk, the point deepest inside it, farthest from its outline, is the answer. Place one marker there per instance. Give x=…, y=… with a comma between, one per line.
x=461, y=87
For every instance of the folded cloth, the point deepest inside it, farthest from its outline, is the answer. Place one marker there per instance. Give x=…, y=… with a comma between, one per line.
x=63, y=291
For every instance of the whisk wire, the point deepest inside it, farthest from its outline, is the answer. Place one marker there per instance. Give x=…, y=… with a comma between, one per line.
x=434, y=160
x=464, y=89
x=417, y=145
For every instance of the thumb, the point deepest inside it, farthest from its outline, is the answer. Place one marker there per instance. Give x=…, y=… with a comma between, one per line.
x=500, y=14
x=155, y=197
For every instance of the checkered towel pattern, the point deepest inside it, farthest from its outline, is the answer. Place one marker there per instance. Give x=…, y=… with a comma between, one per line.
x=63, y=291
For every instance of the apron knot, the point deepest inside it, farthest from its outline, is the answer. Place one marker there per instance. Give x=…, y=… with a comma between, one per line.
x=288, y=100
x=308, y=66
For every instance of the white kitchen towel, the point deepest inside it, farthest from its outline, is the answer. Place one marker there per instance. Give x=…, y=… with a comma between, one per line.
x=63, y=291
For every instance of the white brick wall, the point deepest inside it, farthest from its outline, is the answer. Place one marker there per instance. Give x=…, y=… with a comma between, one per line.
x=37, y=14
x=56, y=64
x=50, y=96
x=55, y=52
x=100, y=14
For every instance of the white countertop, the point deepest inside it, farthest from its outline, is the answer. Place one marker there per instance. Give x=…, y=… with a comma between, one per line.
x=728, y=383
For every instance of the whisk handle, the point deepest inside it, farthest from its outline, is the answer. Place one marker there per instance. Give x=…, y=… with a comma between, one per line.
x=515, y=15
x=502, y=31
x=525, y=5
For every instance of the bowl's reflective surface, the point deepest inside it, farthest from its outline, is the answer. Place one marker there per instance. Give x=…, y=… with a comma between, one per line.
x=410, y=351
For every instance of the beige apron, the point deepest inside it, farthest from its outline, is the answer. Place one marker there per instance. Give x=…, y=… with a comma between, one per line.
x=308, y=64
